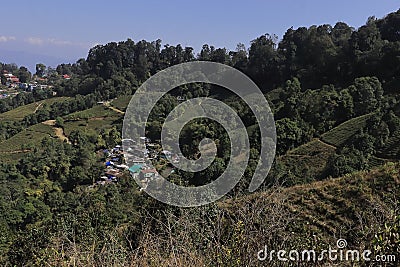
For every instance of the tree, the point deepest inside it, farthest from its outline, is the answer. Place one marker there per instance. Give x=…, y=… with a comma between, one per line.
x=367, y=94
x=24, y=75
x=263, y=61
x=239, y=58
x=347, y=161
x=289, y=135
x=40, y=69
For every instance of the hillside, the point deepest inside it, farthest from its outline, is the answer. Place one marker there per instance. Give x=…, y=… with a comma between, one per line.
x=69, y=198
x=357, y=208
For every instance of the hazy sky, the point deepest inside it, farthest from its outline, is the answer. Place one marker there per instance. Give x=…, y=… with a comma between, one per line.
x=63, y=31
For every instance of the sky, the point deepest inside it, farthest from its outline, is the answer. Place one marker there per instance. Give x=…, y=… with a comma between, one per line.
x=54, y=32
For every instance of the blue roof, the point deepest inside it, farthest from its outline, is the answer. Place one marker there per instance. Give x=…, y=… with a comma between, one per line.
x=135, y=168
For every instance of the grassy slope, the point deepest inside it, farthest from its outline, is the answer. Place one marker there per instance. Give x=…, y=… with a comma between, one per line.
x=121, y=102
x=91, y=120
x=97, y=111
x=312, y=155
x=19, y=113
x=328, y=209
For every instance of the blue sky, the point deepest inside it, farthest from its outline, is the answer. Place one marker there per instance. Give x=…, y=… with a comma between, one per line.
x=63, y=31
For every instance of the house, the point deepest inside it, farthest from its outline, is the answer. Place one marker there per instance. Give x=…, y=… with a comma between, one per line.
x=109, y=163
x=135, y=168
x=145, y=139
x=165, y=154
x=14, y=79
x=115, y=159
x=32, y=87
x=112, y=173
x=66, y=77
x=148, y=174
x=122, y=166
x=175, y=159
x=141, y=153
x=117, y=148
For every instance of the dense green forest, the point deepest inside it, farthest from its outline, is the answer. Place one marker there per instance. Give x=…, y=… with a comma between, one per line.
x=334, y=92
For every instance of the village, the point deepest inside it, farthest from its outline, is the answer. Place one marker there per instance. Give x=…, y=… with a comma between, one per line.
x=11, y=84
x=140, y=162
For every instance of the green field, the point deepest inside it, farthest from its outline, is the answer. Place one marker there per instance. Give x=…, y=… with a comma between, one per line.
x=19, y=113
x=11, y=158
x=98, y=111
x=343, y=132
x=307, y=162
x=91, y=121
x=30, y=137
x=91, y=126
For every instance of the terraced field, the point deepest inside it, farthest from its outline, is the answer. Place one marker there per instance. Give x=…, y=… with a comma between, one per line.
x=392, y=147
x=19, y=113
x=91, y=120
x=30, y=137
x=307, y=162
x=343, y=132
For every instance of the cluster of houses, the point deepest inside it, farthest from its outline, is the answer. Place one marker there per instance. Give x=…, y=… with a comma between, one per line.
x=113, y=166
x=138, y=156
x=10, y=78
x=12, y=81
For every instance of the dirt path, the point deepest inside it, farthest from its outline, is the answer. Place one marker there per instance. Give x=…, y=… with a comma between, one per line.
x=319, y=140
x=57, y=130
x=50, y=122
x=60, y=134
x=108, y=105
x=116, y=110
x=37, y=108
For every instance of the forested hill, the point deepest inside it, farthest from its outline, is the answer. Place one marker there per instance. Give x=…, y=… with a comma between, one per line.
x=334, y=92
x=317, y=55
